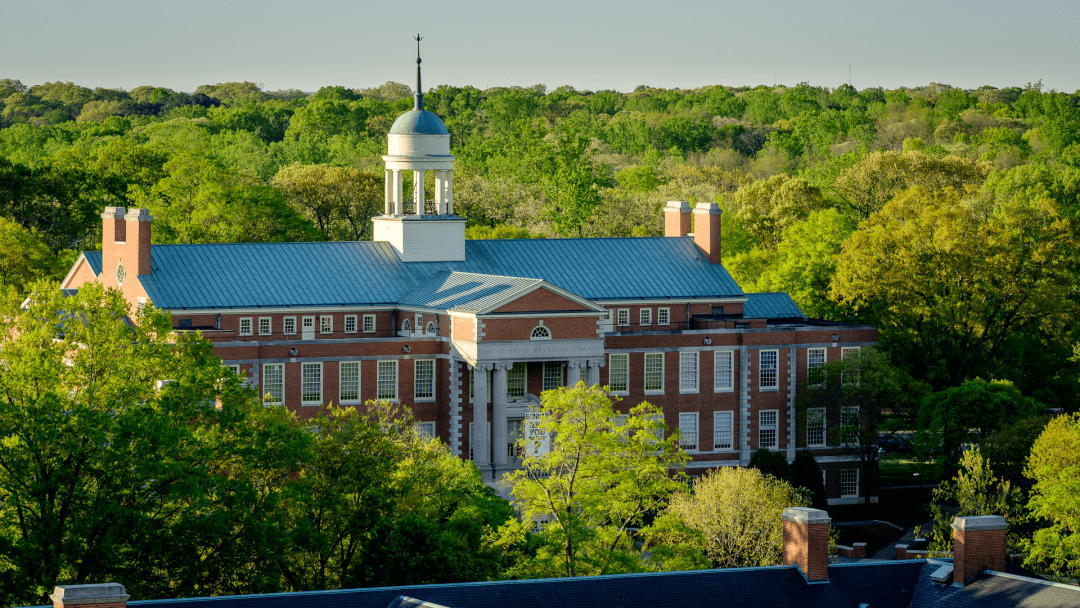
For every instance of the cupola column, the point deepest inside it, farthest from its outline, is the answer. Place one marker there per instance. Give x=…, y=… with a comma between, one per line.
x=399, y=193
x=440, y=192
x=388, y=205
x=450, y=191
x=418, y=190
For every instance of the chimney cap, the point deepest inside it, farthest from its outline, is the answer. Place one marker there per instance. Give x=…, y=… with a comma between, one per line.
x=113, y=213
x=805, y=515
x=101, y=593
x=683, y=206
x=980, y=522
x=140, y=215
x=708, y=209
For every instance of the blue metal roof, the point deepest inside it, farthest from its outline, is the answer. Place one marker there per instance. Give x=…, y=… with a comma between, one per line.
x=465, y=291
x=93, y=258
x=776, y=305
x=418, y=122
x=253, y=275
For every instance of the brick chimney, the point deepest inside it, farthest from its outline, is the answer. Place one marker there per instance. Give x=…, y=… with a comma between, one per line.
x=707, y=230
x=104, y=595
x=806, y=542
x=138, y=233
x=125, y=241
x=978, y=544
x=677, y=218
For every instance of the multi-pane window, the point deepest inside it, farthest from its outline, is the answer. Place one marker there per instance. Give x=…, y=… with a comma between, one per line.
x=619, y=373
x=350, y=324
x=406, y=326
x=515, y=430
x=234, y=369
x=289, y=326
x=815, y=367
x=264, y=326
x=349, y=381
x=723, y=371
x=311, y=384
x=424, y=372
x=387, y=381
x=369, y=323
x=326, y=324
x=688, y=372
x=430, y=329
x=515, y=380
x=767, y=368
x=815, y=426
x=849, y=421
x=688, y=431
x=722, y=432
x=245, y=326
x=768, y=421
x=645, y=316
x=622, y=316
x=553, y=375
x=273, y=387
x=583, y=373
x=849, y=482
x=849, y=373
x=426, y=429
x=654, y=373
x=663, y=316
x=419, y=322
x=540, y=333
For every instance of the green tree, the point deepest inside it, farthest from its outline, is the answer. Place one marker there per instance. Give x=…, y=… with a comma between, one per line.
x=24, y=258
x=806, y=474
x=771, y=463
x=1009, y=447
x=602, y=474
x=1054, y=464
x=767, y=207
x=736, y=514
x=339, y=200
x=977, y=492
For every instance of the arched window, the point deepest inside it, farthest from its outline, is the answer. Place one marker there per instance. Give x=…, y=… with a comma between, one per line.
x=406, y=326
x=540, y=333
x=430, y=329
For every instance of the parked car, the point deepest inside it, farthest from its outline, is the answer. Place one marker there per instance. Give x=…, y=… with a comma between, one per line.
x=894, y=444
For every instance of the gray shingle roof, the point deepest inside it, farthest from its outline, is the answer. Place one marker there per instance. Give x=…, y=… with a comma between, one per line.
x=777, y=305
x=465, y=291
x=419, y=122
x=993, y=590
x=253, y=275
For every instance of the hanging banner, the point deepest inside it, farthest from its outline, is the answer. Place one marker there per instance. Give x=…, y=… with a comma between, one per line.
x=537, y=441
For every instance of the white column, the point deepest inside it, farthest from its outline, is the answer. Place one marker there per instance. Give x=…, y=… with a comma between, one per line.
x=399, y=192
x=450, y=191
x=439, y=192
x=388, y=206
x=418, y=191
x=498, y=414
x=481, y=441
x=594, y=373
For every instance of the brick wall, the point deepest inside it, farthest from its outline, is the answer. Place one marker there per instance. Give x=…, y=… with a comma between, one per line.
x=538, y=300
x=520, y=329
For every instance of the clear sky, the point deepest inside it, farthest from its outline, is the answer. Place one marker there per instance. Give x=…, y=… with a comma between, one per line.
x=589, y=44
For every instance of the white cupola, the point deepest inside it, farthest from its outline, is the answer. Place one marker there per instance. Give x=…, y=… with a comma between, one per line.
x=421, y=230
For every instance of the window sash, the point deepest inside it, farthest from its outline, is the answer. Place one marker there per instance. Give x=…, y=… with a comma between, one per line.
x=849, y=482
x=326, y=324
x=767, y=368
x=265, y=326
x=723, y=370
x=350, y=324
x=426, y=428
x=654, y=373
x=623, y=316
x=553, y=375
x=663, y=316
x=273, y=387
x=387, y=380
x=645, y=316
x=619, y=373
x=311, y=383
x=851, y=377
x=815, y=427
x=424, y=373
x=768, y=423
x=540, y=332
x=722, y=431
x=516, y=380
x=688, y=431
x=815, y=362
x=369, y=323
x=688, y=372
x=289, y=326
x=349, y=381
x=245, y=326
x=849, y=420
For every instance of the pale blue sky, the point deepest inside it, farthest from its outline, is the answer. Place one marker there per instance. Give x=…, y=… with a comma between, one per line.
x=584, y=43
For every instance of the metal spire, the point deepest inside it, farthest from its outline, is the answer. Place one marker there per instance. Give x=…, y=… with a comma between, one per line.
x=418, y=99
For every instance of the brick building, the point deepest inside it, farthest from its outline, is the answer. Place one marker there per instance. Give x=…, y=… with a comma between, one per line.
x=469, y=333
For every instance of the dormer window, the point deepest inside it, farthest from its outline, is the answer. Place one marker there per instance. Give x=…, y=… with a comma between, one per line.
x=540, y=333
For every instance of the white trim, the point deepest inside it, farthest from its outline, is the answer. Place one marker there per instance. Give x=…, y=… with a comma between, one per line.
x=697, y=432
x=322, y=330
x=697, y=372
x=359, y=382
x=645, y=374
x=732, y=300
x=322, y=380
x=774, y=427
x=269, y=326
x=733, y=444
x=285, y=326
x=645, y=316
x=263, y=388
x=416, y=381
x=717, y=356
x=857, y=475
x=514, y=295
x=397, y=381
x=345, y=324
x=546, y=331
x=775, y=386
x=240, y=327
x=619, y=313
x=373, y=325
x=75, y=267
x=824, y=427
x=667, y=314
x=611, y=368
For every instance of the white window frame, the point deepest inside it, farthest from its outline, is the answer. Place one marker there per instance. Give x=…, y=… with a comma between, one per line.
x=645, y=376
x=816, y=427
x=419, y=322
x=269, y=326
x=429, y=329
x=689, y=372
x=245, y=327
x=286, y=322
x=765, y=426
x=622, y=317
x=426, y=429
x=343, y=384
x=306, y=383
x=517, y=380
x=815, y=359
x=723, y=424
x=540, y=332
x=234, y=369
x=724, y=371
x=849, y=425
x=663, y=316
x=688, y=431
x=849, y=488
x=619, y=373
x=369, y=324
x=304, y=335
x=550, y=377
x=845, y=352
x=406, y=327
x=348, y=319
x=424, y=387
x=763, y=378
x=326, y=324
x=273, y=387
x=386, y=379
x=645, y=316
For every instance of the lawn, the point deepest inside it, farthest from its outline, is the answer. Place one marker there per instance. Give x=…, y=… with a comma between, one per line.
x=900, y=470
